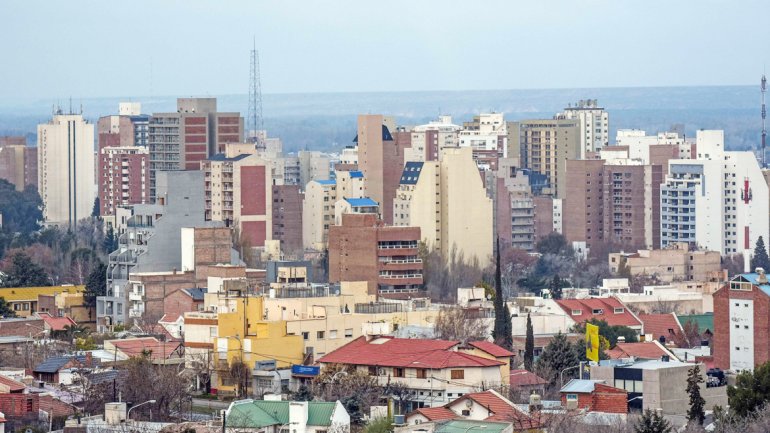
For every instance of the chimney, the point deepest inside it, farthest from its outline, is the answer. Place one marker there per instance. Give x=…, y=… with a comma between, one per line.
x=761, y=277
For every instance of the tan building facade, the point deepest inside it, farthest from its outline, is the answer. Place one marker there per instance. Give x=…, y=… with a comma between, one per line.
x=318, y=206
x=676, y=263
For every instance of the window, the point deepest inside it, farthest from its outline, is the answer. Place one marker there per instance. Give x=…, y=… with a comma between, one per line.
x=349, y=333
x=619, y=310
x=457, y=374
x=466, y=412
x=320, y=335
x=305, y=335
x=421, y=373
x=572, y=397
x=597, y=311
x=577, y=312
x=398, y=372
x=372, y=370
x=333, y=333
x=213, y=331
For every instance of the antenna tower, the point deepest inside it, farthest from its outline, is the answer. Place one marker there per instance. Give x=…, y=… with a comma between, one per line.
x=254, y=122
x=763, y=88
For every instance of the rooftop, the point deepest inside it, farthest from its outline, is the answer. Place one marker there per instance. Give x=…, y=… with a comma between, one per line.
x=147, y=345
x=607, y=309
x=491, y=348
x=13, y=385
x=56, y=323
x=641, y=350
x=31, y=293
x=362, y=202
x=263, y=413
x=54, y=364
x=580, y=386
x=658, y=325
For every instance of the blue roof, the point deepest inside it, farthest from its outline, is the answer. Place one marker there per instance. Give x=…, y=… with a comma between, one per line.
x=327, y=182
x=411, y=173
x=753, y=278
x=196, y=293
x=222, y=157
x=356, y=174
x=361, y=202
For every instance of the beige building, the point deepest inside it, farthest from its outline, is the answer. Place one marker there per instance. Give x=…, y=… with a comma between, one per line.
x=313, y=165
x=452, y=211
x=318, y=207
x=66, y=168
x=429, y=139
x=676, y=263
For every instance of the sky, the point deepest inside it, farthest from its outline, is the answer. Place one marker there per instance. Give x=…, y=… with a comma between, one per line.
x=86, y=49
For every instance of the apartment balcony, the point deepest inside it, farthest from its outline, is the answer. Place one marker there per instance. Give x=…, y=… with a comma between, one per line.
x=135, y=313
x=401, y=266
x=135, y=296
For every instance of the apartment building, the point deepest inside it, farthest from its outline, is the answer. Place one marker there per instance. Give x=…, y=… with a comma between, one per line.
x=362, y=248
x=717, y=201
x=452, y=211
x=643, y=146
x=544, y=146
x=313, y=165
x=66, y=168
x=487, y=135
x=594, y=124
x=18, y=162
x=677, y=262
x=287, y=217
x=429, y=139
x=24, y=300
x=318, y=206
x=129, y=124
x=123, y=176
x=182, y=139
x=381, y=150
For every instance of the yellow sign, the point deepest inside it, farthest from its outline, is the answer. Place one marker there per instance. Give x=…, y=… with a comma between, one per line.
x=592, y=342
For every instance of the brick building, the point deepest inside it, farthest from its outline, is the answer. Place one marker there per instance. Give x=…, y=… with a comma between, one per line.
x=122, y=175
x=287, y=217
x=593, y=396
x=742, y=323
x=18, y=162
x=364, y=249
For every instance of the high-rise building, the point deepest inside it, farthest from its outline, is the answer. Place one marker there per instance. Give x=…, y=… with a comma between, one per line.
x=381, y=151
x=123, y=176
x=544, y=146
x=18, y=162
x=181, y=140
x=428, y=140
x=446, y=199
x=313, y=165
x=717, y=201
x=594, y=125
x=487, y=135
x=318, y=206
x=287, y=217
x=362, y=248
x=130, y=124
x=66, y=168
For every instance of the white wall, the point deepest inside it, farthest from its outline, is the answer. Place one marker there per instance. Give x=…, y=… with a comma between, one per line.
x=741, y=334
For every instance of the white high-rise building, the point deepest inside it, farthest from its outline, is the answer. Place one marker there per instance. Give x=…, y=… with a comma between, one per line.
x=66, y=168
x=594, y=124
x=716, y=201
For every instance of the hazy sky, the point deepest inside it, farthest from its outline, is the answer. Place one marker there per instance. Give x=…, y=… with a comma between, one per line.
x=56, y=49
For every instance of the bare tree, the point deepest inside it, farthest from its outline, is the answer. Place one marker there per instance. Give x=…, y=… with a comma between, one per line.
x=461, y=324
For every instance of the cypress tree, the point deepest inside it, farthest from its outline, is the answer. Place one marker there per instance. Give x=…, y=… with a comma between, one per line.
x=696, y=411
x=760, y=258
x=529, y=346
x=502, y=334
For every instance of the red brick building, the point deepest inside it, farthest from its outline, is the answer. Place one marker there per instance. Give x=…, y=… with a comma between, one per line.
x=123, y=174
x=364, y=249
x=593, y=396
x=287, y=217
x=742, y=323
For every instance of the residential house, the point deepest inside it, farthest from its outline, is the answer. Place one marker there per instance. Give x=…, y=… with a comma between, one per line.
x=55, y=324
x=610, y=310
x=489, y=406
x=50, y=370
x=641, y=350
x=24, y=300
x=159, y=352
x=661, y=327
x=175, y=304
x=593, y=396
x=524, y=383
x=276, y=416
x=456, y=426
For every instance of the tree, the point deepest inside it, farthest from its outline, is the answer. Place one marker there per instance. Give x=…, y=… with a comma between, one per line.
x=379, y=425
x=239, y=374
x=690, y=335
x=556, y=285
x=356, y=390
x=557, y=356
x=760, y=259
x=23, y=272
x=751, y=390
x=652, y=422
x=733, y=264
x=22, y=210
x=96, y=284
x=611, y=333
x=503, y=333
x=110, y=242
x=401, y=393
x=696, y=412
x=457, y=323
x=529, y=346
x=554, y=243
x=303, y=393
x=96, y=210
x=5, y=309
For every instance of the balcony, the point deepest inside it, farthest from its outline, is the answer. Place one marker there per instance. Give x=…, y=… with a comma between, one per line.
x=135, y=296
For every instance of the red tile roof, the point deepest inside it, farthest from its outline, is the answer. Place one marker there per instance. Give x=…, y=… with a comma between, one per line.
x=404, y=352
x=138, y=346
x=501, y=409
x=491, y=348
x=660, y=324
x=586, y=308
x=525, y=378
x=56, y=323
x=13, y=385
x=641, y=350
x=435, y=413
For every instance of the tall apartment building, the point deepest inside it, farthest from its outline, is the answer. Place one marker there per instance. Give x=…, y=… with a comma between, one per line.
x=318, y=206
x=381, y=158
x=287, y=217
x=583, y=206
x=717, y=201
x=238, y=191
x=18, y=162
x=428, y=140
x=130, y=124
x=181, y=140
x=642, y=146
x=66, y=168
x=447, y=201
x=313, y=165
x=544, y=146
x=123, y=176
x=487, y=135
x=513, y=205
x=594, y=124
x=362, y=248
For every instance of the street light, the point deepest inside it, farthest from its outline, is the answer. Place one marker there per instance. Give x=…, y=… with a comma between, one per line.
x=473, y=427
x=561, y=375
x=128, y=414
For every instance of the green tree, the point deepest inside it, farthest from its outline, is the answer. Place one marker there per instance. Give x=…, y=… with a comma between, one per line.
x=22, y=210
x=554, y=243
x=23, y=272
x=96, y=211
x=110, y=242
x=503, y=333
x=529, y=346
x=612, y=332
x=760, y=258
x=557, y=356
x=751, y=390
x=96, y=284
x=556, y=285
x=5, y=309
x=696, y=412
x=303, y=393
x=379, y=425
x=652, y=422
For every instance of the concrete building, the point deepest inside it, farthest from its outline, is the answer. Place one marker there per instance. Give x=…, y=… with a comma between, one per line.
x=678, y=262
x=583, y=206
x=313, y=165
x=544, y=146
x=717, y=201
x=66, y=168
x=381, y=151
x=238, y=191
x=23, y=301
x=129, y=124
x=362, y=248
x=429, y=139
x=287, y=217
x=452, y=211
x=644, y=147
x=182, y=139
x=594, y=124
x=18, y=162
x=318, y=206
x=123, y=177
